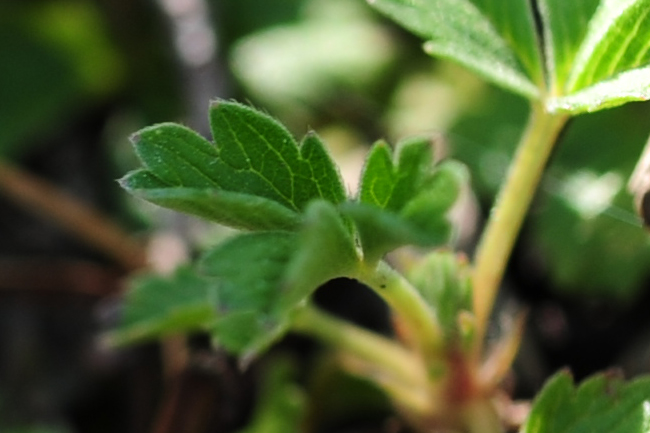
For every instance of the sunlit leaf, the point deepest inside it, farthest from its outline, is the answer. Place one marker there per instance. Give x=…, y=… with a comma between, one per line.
x=459, y=31
x=565, y=25
x=513, y=20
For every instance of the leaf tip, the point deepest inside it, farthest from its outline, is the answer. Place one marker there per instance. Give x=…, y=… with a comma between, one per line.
x=215, y=103
x=135, y=137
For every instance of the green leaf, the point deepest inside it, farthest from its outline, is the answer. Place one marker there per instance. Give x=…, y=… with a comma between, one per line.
x=390, y=185
x=611, y=65
x=250, y=269
x=459, y=31
x=325, y=251
x=157, y=306
x=513, y=19
x=404, y=202
x=233, y=209
x=258, y=156
x=443, y=279
x=633, y=85
x=565, y=24
x=254, y=168
x=263, y=277
x=603, y=403
x=617, y=40
x=382, y=231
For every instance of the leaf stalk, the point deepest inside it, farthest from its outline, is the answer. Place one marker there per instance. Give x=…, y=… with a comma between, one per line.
x=413, y=312
x=365, y=345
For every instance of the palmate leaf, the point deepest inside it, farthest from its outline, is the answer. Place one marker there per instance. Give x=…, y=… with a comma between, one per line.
x=493, y=42
x=601, y=404
x=263, y=277
x=253, y=156
x=404, y=201
x=565, y=24
x=513, y=20
x=611, y=65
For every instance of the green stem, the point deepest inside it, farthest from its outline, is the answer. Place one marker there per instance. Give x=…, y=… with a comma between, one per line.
x=404, y=300
x=480, y=416
x=509, y=211
x=365, y=345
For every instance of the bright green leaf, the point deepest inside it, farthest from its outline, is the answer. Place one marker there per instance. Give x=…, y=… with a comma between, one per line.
x=601, y=404
x=513, y=19
x=390, y=185
x=617, y=40
x=459, y=31
x=565, y=25
x=157, y=306
x=633, y=85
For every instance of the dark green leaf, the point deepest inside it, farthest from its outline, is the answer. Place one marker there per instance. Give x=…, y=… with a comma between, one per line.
x=248, y=333
x=601, y=404
x=565, y=25
x=254, y=177
x=177, y=156
x=263, y=277
x=229, y=208
x=157, y=306
x=458, y=30
x=381, y=231
x=250, y=269
x=258, y=156
x=325, y=251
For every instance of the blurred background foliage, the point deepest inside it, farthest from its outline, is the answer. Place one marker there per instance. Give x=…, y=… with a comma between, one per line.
x=77, y=77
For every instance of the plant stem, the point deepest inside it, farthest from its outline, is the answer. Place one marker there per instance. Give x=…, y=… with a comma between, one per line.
x=404, y=299
x=366, y=345
x=508, y=213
